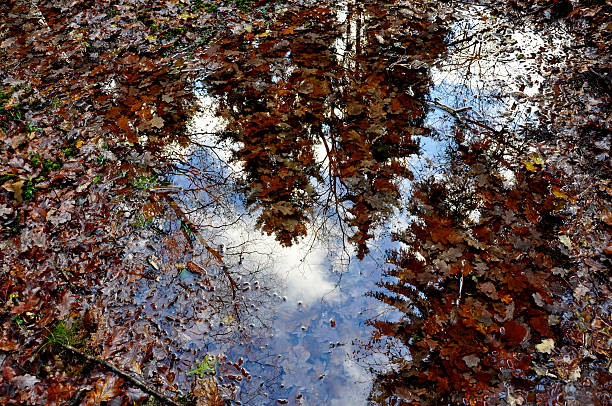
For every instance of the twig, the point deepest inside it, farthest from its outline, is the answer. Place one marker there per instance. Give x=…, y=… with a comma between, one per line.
x=450, y=110
x=167, y=190
x=455, y=113
x=133, y=380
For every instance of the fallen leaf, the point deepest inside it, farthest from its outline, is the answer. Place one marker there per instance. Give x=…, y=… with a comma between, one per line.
x=536, y=159
x=157, y=122
x=565, y=240
x=546, y=346
x=16, y=188
x=559, y=193
x=206, y=392
x=514, y=332
x=25, y=382
x=103, y=390
x=488, y=289
x=471, y=361
x=530, y=166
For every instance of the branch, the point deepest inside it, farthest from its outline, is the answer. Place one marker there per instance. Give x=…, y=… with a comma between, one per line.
x=128, y=377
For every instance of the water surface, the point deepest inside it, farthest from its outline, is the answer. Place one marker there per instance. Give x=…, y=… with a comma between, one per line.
x=351, y=222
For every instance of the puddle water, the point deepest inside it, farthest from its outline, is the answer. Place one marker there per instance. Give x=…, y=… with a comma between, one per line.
x=335, y=213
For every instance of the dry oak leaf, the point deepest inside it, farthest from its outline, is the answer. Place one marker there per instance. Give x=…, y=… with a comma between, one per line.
x=157, y=122
x=546, y=346
x=206, y=392
x=16, y=189
x=514, y=332
x=488, y=289
x=471, y=361
x=25, y=382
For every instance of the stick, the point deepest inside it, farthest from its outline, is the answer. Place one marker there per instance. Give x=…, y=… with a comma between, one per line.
x=450, y=110
x=128, y=377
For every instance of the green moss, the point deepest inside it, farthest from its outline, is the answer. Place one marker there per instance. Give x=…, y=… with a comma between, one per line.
x=244, y=4
x=35, y=160
x=47, y=165
x=69, y=152
x=28, y=190
x=140, y=221
x=18, y=320
x=5, y=96
x=186, y=399
x=101, y=160
x=12, y=113
x=6, y=177
x=145, y=182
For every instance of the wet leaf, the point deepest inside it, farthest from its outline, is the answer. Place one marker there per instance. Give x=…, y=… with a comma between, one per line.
x=103, y=390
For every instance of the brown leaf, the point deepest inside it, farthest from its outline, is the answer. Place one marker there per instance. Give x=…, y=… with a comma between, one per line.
x=488, y=289
x=15, y=187
x=471, y=361
x=103, y=390
x=354, y=109
x=124, y=124
x=514, y=332
x=195, y=268
x=25, y=382
x=157, y=122
x=206, y=392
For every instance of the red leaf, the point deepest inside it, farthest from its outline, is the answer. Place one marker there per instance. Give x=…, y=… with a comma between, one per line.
x=513, y=332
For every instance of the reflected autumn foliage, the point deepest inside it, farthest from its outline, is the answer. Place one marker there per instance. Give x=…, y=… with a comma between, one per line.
x=478, y=286
x=324, y=111
x=145, y=97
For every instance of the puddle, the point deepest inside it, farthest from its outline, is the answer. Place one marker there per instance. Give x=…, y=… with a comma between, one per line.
x=313, y=143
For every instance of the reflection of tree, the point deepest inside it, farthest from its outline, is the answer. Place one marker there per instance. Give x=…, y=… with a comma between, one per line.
x=156, y=106
x=474, y=289
x=340, y=87
x=178, y=297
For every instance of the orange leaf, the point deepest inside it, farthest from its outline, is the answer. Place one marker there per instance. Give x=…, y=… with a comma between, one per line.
x=103, y=390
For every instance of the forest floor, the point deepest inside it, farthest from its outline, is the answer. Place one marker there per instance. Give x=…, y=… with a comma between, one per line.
x=91, y=92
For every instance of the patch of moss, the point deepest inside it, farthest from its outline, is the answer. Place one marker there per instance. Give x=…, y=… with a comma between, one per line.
x=145, y=182
x=5, y=96
x=6, y=177
x=49, y=165
x=28, y=190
